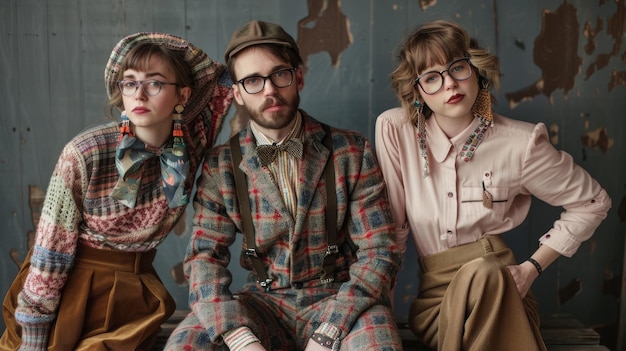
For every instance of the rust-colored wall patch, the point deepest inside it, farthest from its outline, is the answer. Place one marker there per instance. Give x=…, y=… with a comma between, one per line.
x=326, y=28
x=556, y=53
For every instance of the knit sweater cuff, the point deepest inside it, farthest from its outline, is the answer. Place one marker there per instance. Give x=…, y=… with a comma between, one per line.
x=35, y=337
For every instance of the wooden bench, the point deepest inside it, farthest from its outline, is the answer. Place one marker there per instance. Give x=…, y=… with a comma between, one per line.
x=560, y=332
x=563, y=332
x=167, y=328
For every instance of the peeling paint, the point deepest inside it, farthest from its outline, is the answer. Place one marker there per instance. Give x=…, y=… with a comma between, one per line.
x=617, y=78
x=36, y=196
x=424, y=4
x=555, y=52
x=572, y=289
x=616, y=27
x=597, y=139
x=590, y=34
x=325, y=28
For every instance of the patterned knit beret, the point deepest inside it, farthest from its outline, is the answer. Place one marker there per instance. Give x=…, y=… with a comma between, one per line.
x=212, y=86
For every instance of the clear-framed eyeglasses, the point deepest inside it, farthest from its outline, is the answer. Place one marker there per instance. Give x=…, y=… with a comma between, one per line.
x=431, y=82
x=151, y=87
x=281, y=79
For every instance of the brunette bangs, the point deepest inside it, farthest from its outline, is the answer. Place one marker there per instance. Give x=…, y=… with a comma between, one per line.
x=437, y=49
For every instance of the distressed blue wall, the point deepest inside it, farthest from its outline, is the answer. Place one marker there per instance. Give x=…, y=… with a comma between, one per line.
x=53, y=54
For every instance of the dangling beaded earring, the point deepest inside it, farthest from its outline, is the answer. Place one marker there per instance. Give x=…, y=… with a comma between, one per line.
x=179, y=143
x=125, y=126
x=421, y=135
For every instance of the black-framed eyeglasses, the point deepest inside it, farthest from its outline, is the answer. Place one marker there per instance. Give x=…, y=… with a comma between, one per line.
x=281, y=79
x=151, y=87
x=431, y=82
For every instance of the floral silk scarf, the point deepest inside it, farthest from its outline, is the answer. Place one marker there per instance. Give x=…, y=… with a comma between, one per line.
x=129, y=157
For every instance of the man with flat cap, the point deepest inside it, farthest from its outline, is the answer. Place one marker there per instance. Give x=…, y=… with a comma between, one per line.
x=311, y=202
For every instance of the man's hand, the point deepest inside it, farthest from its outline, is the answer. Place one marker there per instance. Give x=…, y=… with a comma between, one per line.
x=255, y=346
x=313, y=346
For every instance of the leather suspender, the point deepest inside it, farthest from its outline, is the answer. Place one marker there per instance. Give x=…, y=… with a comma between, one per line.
x=244, y=211
x=328, y=265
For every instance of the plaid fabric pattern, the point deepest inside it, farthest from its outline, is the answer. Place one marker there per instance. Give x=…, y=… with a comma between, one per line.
x=292, y=248
x=286, y=320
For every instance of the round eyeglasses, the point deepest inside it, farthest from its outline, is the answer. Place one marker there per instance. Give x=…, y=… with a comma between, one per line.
x=150, y=87
x=431, y=82
x=281, y=79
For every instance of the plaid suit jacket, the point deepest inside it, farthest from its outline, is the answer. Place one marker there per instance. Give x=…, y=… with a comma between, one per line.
x=292, y=250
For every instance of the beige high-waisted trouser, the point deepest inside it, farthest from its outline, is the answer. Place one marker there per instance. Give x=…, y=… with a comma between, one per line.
x=113, y=300
x=468, y=301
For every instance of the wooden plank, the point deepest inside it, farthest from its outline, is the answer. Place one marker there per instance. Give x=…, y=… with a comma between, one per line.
x=64, y=62
x=558, y=336
x=557, y=330
x=169, y=17
x=102, y=28
x=409, y=341
x=32, y=91
x=577, y=347
x=621, y=331
x=561, y=321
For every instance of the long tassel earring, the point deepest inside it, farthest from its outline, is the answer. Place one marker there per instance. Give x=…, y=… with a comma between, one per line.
x=179, y=143
x=175, y=164
x=482, y=105
x=125, y=126
x=421, y=135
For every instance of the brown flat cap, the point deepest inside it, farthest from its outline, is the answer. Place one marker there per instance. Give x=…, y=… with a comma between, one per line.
x=258, y=32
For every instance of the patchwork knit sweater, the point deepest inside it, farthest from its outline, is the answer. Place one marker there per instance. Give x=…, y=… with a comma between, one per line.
x=78, y=208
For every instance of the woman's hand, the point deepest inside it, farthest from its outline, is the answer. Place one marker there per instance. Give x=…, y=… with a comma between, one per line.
x=524, y=275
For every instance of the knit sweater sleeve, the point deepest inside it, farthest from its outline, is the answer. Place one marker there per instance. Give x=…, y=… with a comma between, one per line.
x=54, y=250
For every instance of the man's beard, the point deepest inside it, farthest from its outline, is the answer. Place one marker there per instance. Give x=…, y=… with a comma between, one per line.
x=276, y=120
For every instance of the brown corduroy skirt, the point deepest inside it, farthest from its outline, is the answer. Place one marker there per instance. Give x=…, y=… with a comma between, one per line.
x=113, y=300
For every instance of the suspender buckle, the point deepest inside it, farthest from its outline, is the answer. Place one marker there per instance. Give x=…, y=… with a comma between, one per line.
x=332, y=250
x=328, y=266
x=251, y=253
x=327, y=280
x=267, y=284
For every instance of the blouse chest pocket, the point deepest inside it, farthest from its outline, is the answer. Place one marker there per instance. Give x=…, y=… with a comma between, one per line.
x=476, y=202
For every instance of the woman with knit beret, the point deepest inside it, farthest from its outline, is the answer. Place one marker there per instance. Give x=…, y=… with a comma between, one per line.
x=116, y=192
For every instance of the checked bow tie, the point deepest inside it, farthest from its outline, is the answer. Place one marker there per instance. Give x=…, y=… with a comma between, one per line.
x=267, y=153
